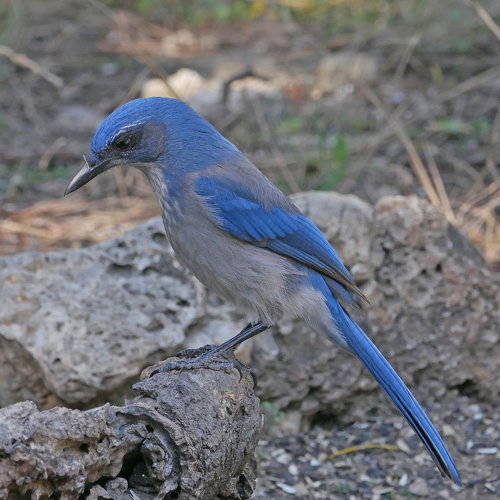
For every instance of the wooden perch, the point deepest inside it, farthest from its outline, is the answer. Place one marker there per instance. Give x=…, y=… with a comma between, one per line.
x=186, y=435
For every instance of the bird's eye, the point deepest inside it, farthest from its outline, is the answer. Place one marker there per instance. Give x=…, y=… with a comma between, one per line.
x=122, y=143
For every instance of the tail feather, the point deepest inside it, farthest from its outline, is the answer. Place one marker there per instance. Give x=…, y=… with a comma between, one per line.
x=396, y=389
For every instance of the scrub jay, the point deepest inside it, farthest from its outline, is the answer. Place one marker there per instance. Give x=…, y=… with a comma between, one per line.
x=244, y=239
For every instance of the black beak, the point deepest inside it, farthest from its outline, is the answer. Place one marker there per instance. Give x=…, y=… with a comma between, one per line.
x=86, y=173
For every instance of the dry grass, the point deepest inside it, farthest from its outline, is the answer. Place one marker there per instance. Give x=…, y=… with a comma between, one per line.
x=55, y=224
x=476, y=213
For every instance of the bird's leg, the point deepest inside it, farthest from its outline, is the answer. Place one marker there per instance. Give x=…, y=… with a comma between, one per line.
x=195, y=352
x=204, y=356
x=247, y=333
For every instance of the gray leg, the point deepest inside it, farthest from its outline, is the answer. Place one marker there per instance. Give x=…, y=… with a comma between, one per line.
x=204, y=356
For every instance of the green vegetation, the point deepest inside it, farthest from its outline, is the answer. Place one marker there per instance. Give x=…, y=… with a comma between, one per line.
x=344, y=488
x=23, y=176
x=335, y=16
x=331, y=162
x=272, y=415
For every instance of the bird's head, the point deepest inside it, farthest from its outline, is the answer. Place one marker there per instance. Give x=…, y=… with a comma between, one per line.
x=152, y=133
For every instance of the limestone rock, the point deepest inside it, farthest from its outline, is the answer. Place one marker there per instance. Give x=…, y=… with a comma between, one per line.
x=91, y=319
x=434, y=313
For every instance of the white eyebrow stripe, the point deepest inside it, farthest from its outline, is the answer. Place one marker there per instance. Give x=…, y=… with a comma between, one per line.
x=126, y=128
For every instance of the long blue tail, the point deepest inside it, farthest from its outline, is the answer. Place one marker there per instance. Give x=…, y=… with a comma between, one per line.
x=395, y=388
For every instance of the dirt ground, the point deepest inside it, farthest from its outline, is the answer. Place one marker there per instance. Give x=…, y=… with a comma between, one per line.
x=371, y=98
x=325, y=463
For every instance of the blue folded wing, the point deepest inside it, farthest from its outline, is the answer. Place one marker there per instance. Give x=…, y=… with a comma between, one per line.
x=279, y=227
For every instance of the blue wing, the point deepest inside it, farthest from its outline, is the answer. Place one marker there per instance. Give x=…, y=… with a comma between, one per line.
x=279, y=227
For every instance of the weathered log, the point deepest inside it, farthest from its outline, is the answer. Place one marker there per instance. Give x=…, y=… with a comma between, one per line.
x=186, y=435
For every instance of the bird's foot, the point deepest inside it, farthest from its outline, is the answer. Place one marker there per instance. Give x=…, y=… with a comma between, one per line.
x=193, y=359
x=194, y=353
x=203, y=357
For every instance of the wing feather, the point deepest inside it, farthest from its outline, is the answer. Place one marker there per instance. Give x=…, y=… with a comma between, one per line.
x=290, y=233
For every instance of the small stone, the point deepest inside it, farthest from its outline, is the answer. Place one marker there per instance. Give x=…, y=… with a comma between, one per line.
x=487, y=451
x=361, y=425
x=342, y=464
x=311, y=483
x=287, y=488
x=403, y=480
x=293, y=469
x=419, y=487
x=156, y=87
x=475, y=409
x=448, y=430
x=109, y=69
x=301, y=490
x=401, y=444
x=282, y=458
x=184, y=83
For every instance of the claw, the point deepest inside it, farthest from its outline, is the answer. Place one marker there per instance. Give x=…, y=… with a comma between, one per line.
x=203, y=357
x=194, y=353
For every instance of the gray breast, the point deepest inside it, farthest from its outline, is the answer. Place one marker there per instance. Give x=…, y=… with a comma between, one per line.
x=257, y=280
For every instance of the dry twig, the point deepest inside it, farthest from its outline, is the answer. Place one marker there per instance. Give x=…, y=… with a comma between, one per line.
x=25, y=62
x=439, y=184
x=415, y=159
x=470, y=84
x=486, y=18
x=282, y=163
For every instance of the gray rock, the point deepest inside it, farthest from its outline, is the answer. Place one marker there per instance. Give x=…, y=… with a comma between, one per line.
x=87, y=321
x=434, y=313
x=419, y=488
x=91, y=319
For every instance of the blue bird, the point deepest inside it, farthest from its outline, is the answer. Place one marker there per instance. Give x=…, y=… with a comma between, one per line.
x=244, y=239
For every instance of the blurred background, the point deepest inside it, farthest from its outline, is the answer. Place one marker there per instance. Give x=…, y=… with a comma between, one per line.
x=368, y=97
x=372, y=98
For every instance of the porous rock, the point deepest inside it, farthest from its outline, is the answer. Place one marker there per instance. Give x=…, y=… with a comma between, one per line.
x=434, y=312
x=91, y=319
